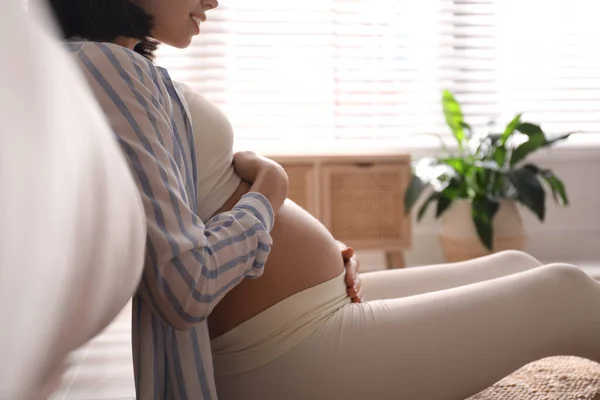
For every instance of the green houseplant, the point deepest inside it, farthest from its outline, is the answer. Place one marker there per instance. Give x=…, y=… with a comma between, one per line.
x=485, y=170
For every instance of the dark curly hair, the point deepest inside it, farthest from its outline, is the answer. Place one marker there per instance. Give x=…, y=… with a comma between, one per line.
x=104, y=21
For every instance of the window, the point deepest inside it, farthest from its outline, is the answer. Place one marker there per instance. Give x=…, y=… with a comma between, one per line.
x=549, y=55
x=354, y=69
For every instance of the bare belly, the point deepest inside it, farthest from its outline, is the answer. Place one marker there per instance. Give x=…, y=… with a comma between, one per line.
x=304, y=254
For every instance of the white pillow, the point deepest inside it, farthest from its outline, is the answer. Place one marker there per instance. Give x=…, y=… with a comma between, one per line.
x=72, y=227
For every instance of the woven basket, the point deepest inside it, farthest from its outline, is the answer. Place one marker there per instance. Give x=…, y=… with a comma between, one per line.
x=372, y=217
x=554, y=378
x=302, y=186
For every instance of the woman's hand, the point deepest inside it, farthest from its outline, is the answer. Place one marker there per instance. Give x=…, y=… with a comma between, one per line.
x=266, y=176
x=249, y=165
x=353, y=281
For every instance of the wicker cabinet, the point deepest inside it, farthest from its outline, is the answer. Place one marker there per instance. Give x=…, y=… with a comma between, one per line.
x=303, y=186
x=360, y=199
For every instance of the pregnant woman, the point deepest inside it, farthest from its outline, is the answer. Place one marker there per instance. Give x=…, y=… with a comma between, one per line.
x=294, y=334
x=442, y=332
x=304, y=254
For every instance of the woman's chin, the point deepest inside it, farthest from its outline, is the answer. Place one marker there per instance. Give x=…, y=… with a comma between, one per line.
x=179, y=43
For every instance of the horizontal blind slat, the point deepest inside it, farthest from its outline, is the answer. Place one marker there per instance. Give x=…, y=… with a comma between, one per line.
x=345, y=68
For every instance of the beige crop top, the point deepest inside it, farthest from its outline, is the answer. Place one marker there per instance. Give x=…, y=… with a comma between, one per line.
x=213, y=138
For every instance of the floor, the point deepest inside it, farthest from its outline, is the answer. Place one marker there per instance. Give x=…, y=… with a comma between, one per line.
x=102, y=369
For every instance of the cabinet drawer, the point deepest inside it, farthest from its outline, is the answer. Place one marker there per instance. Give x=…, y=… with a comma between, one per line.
x=302, y=189
x=363, y=206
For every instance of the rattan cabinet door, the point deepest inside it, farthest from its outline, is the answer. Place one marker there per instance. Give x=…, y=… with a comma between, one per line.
x=302, y=189
x=363, y=206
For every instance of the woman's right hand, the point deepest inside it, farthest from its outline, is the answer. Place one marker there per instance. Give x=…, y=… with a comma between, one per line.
x=248, y=165
x=266, y=176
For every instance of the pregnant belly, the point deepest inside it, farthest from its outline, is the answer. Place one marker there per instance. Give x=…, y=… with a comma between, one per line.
x=304, y=254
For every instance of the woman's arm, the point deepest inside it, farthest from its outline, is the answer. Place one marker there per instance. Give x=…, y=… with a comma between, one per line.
x=189, y=266
x=265, y=175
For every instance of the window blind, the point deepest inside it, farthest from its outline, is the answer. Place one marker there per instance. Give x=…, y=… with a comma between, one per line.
x=538, y=57
x=356, y=69
x=550, y=62
x=470, y=58
x=314, y=69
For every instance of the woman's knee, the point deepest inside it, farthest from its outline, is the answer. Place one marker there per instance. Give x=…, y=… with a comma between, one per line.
x=517, y=258
x=565, y=275
x=565, y=271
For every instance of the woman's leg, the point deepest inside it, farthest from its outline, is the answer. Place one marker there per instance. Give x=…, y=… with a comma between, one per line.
x=445, y=345
x=391, y=284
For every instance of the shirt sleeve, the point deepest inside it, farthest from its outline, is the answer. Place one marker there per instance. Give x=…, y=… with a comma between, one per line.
x=189, y=266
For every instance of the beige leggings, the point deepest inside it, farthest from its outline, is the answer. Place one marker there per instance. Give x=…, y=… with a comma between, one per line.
x=441, y=332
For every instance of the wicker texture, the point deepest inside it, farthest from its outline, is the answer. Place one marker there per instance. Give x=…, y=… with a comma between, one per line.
x=299, y=189
x=376, y=209
x=555, y=378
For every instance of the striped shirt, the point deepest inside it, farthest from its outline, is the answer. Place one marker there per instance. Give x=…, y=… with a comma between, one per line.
x=189, y=266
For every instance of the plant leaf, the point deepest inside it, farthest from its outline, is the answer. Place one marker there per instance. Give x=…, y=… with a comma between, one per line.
x=558, y=187
x=500, y=155
x=434, y=196
x=450, y=193
x=442, y=205
x=530, y=129
x=532, y=167
x=559, y=138
x=413, y=192
x=529, y=190
x=488, y=165
x=483, y=211
x=510, y=129
x=459, y=164
x=536, y=141
x=468, y=128
x=454, y=117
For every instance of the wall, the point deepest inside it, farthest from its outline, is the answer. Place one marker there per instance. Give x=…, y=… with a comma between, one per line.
x=569, y=234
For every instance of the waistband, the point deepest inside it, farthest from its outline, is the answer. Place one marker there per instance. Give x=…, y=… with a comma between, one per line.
x=278, y=329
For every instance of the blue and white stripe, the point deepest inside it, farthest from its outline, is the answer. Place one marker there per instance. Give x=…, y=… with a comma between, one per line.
x=190, y=266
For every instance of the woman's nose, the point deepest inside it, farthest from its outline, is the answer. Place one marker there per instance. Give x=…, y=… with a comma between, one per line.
x=210, y=4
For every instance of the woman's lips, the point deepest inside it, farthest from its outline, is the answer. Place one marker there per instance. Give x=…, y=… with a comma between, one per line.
x=197, y=21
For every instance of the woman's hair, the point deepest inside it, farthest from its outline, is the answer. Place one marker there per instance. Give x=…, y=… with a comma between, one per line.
x=104, y=21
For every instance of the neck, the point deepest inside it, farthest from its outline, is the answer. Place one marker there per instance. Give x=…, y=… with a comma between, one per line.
x=126, y=42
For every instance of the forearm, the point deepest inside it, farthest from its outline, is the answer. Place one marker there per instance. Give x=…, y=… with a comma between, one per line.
x=189, y=266
x=235, y=245
x=274, y=189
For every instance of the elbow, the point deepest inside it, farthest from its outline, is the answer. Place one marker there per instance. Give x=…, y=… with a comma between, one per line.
x=184, y=322
x=196, y=310
x=180, y=312
x=187, y=316
x=179, y=324
x=184, y=303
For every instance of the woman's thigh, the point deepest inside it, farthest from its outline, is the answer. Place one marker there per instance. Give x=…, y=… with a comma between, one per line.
x=391, y=284
x=445, y=345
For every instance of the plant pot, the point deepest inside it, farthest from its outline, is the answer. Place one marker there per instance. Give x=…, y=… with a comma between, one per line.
x=459, y=239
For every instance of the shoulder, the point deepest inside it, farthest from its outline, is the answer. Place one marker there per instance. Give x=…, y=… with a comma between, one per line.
x=108, y=54
x=108, y=64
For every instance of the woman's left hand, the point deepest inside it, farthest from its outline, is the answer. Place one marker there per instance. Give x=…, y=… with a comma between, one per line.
x=353, y=281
